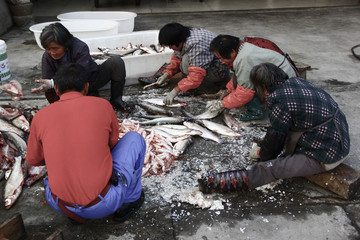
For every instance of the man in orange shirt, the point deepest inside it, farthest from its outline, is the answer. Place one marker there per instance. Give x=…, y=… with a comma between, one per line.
x=91, y=173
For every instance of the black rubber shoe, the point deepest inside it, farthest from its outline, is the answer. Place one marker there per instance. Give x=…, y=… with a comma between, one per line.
x=122, y=106
x=127, y=209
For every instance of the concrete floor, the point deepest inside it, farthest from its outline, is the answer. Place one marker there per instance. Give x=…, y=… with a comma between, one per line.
x=293, y=209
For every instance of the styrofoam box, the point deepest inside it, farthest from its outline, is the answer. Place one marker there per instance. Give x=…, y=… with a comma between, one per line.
x=136, y=66
x=80, y=29
x=125, y=20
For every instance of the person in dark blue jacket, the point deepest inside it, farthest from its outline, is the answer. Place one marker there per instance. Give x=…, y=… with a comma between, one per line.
x=62, y=47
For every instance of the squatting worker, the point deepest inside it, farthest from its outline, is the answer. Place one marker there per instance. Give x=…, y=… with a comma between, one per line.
x=192, y=57
x=308, y=134
x=62, y=47
x=91, y=173
x=241, y=55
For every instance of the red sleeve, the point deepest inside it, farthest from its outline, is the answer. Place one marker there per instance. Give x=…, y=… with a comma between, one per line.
x=238, y=98
x=35, y=153
x=174, y=66
x=193, y=80
x=230, y=85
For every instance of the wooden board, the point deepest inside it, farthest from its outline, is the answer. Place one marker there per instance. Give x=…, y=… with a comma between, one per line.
x=13, y=228
x=342, y=180
x=57, y=235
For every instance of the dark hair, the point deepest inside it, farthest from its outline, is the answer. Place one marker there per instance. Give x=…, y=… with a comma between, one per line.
x=56, y=32
x=224, y=44
x=70, y=76
x=173, y=34
x=266, y=76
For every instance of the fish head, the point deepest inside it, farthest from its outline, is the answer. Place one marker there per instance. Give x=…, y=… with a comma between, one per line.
x=9, y=201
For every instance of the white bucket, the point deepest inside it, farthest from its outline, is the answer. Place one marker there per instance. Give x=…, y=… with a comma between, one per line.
x=4, y=64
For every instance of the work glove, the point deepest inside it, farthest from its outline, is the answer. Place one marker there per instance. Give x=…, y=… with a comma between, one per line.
x=254, y=151
x=46, y=84
x=163, y=80
x=223, y=93
x=114, y=179
x=215, y=105
x=169, y=98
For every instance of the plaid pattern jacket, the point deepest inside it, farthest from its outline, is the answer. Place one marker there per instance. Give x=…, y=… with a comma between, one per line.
x=298, y=104
x=197, y=47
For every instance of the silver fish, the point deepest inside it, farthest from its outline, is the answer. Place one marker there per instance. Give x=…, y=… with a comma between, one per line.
x=170, y=137
x=180, y=147
x=163, y=120
x=155, y=109
x=9, y=113
x=147, y=50
x=206, y=134
x=7, y=127
x=178, y=132
x=159, y=101
x=17, y=141
x=220, y=129
x=14, y=89
x=14, y=183
x=205, y=115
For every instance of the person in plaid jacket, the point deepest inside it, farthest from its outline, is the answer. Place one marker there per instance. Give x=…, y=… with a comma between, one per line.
x=193, y=58
x=308, y=135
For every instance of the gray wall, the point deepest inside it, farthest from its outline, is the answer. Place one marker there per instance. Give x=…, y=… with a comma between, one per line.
x=5, y=17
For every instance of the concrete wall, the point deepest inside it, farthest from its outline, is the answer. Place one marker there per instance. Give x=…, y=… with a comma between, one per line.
x=5, y=17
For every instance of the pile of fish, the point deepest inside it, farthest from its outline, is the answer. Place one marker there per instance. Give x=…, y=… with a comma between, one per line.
x=167, y=135
x=14, y=129
x=129, y=50
x=160, y=153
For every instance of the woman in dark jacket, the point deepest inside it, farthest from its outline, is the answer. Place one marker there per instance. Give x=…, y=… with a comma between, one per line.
x=62, y=47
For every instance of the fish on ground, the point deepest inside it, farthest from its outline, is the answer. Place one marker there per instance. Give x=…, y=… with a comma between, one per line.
x=205, y=115
x=163, y=120
x=177, y=132
x=160, y=102
x=8, y=127
x=180, y=147
x=14, y=183
x=14, y=89
x=219, y=128
x=153, y=109
x=206, y=134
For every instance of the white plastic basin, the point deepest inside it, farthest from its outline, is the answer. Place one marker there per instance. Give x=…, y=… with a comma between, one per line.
x=125, y=20
x=80, y=29
x=136, y=66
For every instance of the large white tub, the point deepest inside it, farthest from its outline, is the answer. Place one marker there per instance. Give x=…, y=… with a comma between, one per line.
x=136, y=66
x=80, y=29
x=125, y=20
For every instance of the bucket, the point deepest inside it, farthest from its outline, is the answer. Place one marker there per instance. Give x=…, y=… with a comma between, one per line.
x=4, y=64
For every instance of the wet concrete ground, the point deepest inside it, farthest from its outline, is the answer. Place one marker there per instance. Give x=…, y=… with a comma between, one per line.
x=289, y=209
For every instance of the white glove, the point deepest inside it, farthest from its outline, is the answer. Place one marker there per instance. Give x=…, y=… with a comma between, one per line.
x=46, y=84
x=163, y=80
x=214, y=105
x=169, y=98
x=254, y=151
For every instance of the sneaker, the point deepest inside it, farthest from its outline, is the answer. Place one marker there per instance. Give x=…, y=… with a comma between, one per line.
x=127, y=209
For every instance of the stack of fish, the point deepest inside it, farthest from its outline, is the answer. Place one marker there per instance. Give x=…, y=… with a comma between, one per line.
x=160, y=154
x=129, y=50
x=14, y=129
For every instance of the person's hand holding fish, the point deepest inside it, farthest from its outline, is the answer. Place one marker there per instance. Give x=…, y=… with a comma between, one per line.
x=215, y=105
x=163, y=80
x=169, y=98
x=46, y=84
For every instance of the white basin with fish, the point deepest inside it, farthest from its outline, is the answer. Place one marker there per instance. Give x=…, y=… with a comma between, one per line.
x=136, y=66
